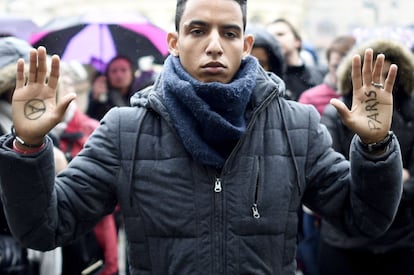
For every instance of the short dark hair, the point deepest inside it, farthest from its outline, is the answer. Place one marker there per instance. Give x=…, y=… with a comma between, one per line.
x=181, y=7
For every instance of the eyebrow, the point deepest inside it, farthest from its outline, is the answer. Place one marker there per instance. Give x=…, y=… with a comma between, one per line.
x=205, y=24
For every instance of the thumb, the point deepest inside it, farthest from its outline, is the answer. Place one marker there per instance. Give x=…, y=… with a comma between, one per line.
x=64, y=103
x=340, y=107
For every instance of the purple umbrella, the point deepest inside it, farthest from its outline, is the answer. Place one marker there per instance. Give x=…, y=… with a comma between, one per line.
x=96, y=38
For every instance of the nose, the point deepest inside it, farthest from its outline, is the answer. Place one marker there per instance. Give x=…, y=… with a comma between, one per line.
x=214, y=46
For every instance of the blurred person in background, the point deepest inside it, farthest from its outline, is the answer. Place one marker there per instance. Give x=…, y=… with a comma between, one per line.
x=116, y=86
x=80, y=75
x=113, y=88
x=299, y=76
x=14, y=258
x=13, y=255
x=100, y=245
x=309, y=55
x=267, y=50
x=319, y=96
x=393, y=251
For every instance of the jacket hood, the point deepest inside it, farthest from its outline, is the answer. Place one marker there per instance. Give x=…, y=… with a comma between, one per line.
x=395, y=52
x=264, y=39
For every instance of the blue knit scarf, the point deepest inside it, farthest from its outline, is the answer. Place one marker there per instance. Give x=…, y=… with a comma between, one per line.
x=208, y=117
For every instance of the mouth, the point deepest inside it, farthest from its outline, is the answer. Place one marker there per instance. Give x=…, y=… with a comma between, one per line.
x=214, y=67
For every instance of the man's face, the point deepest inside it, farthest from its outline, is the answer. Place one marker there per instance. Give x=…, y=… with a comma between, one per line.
x=210, y=42
x=285, y=36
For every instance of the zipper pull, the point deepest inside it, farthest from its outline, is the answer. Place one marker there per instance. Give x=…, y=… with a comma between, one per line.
x=255, y=210
x=217, y=185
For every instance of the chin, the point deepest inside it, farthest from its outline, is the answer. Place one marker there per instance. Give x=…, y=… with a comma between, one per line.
x=213, y=79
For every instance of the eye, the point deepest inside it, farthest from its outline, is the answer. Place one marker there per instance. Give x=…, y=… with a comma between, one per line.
x=231, y=34
x=197, y=32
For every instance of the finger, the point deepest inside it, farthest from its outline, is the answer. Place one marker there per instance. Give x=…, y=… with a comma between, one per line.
x=64, y=103
x=341, y=108
x=42, y=66
x=20, y=78
x=390, y=80
x=54, y=72
x=377, y=73
x=356, y=72
x=367, y=67
x=32, y=65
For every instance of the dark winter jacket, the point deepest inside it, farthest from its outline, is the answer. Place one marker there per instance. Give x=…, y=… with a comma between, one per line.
x=401, y=233
x=185, y=218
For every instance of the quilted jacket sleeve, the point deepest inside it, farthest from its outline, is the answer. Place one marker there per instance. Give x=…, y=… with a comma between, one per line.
x=360, y=196
x=45, y=212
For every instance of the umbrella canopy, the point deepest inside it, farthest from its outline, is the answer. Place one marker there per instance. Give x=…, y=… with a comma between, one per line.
x=96, y=38
x=19, y=27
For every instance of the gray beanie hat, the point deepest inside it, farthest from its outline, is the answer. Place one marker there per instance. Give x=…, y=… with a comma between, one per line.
x=11, y=49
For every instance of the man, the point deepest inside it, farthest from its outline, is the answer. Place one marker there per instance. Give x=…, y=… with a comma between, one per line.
x=210, y=165
x=299, y=76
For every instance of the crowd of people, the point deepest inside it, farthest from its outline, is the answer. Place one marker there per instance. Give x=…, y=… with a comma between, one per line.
x=237, y=157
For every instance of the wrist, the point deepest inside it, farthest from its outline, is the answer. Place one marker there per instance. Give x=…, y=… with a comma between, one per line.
x=18, y=148
x=23, y=144
x=377, y=147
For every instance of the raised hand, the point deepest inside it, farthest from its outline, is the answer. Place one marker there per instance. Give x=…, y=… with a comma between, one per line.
x=371, y=113
x=34, y=106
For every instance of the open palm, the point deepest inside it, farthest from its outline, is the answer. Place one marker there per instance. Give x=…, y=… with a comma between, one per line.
x=372, y=104
x=34, y=106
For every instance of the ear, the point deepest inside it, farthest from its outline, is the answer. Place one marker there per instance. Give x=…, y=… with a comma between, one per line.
x=248, y=44
x=172, y=40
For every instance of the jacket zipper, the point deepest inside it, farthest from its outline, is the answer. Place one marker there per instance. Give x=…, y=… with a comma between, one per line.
x=255, y=208
x=218, y=228
x=255, y=113
x=217, y=185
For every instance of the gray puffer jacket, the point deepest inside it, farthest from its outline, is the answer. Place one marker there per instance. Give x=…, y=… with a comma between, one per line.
x=185, y=218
